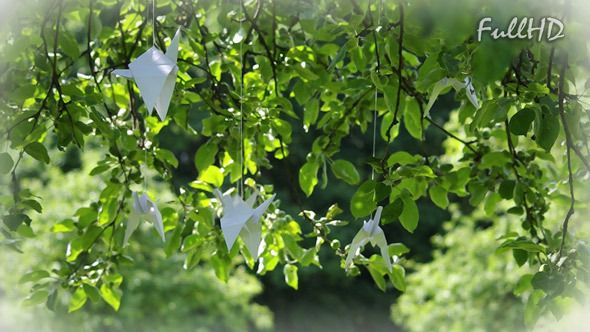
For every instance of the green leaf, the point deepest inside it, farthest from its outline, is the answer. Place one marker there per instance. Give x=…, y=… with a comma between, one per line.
x=449, y=63
x=409, y=215
x=292, y=247
x=523, y=244
x=99, y=169
x=92, y=292
x=77, y=300
x=413, y=119
x=546, y=131
x=478, y=192
x=438, y=194
x=205, y=155
x=533, y=311
x=345, y=170
x=68, y=44
x=339, y=57
x=173, y=243
x=213, y=175
x=546, y=281
x=506, y=189
x=520, y=256
x=377, y=277
x=397, y=277
x=308, y=256
x=402, y=158
x=291, y=277
x=491, y=202
x=363, y=202
x=25, y=231
x=310, y=113
x=520, y=123
x=215, y=68
x=167, y=156
x=36, y=298
x=221, y=265
x=13, y=221
x=111, y=296
x=34, y=276
x=108, y=212
x=37, y=151
x=74, y=249
x=523, y=284
x=32, y=204
x=6, y=163
x=496, y=158
x=392, y=211
x=397, y=249
x=492, y=111
x=308, y=177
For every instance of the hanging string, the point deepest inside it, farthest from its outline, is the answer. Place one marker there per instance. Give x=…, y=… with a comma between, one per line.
x=375, y=111
x=242, y=155
x=374, y=133
x=145, y=163
x=375, y=106
x=153, y=22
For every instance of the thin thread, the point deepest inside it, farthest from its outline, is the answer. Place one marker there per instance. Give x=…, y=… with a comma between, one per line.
x=145, y=164
x=374, y=133
x=241, y=107
x=153, y=22
x=375, y=111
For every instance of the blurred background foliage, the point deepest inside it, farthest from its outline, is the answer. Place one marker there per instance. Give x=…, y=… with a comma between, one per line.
x=456, y=280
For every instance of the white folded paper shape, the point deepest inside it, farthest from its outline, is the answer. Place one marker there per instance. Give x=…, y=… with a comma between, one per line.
x=457, y=85
x=155, y=75
x=239, y=218
x=370, y=232
x=144, y=208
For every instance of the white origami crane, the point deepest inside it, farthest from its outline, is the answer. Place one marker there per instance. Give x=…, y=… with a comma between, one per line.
x=370, y=232
x=241, y=219
x=457, y=85
x=155, y=75
x=143, y=209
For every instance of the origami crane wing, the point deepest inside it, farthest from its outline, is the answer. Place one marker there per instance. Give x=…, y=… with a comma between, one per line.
x=140, y=203
x=470, y=92
x=259, y=211
x=155, y=75
x=436, y=89
x=156, y=218
x=360, y=239
x=165, y=95
x=143, y=208
x=457, y=85
x=131, y=226
x=370, y=232
x=251, y=234
x=236, y=214
x=150, y=71
x=124, y=73
x=380, y=241
x=172, y=51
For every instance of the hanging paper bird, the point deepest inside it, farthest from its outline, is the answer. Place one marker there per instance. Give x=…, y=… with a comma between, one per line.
x=144, y=208
x=241, y=219
x=155, y=75
x=370, y=232
x=457, y=85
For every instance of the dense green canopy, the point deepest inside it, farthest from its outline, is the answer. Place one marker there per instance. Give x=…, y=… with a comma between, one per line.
x=338, y=106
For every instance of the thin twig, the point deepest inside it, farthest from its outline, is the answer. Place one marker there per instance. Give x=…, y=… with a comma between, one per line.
x=569, y=145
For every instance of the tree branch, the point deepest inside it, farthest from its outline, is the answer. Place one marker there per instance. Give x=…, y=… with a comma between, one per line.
x=569, y=145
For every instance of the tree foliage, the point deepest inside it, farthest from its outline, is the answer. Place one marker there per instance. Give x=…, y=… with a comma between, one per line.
x=330, y=67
